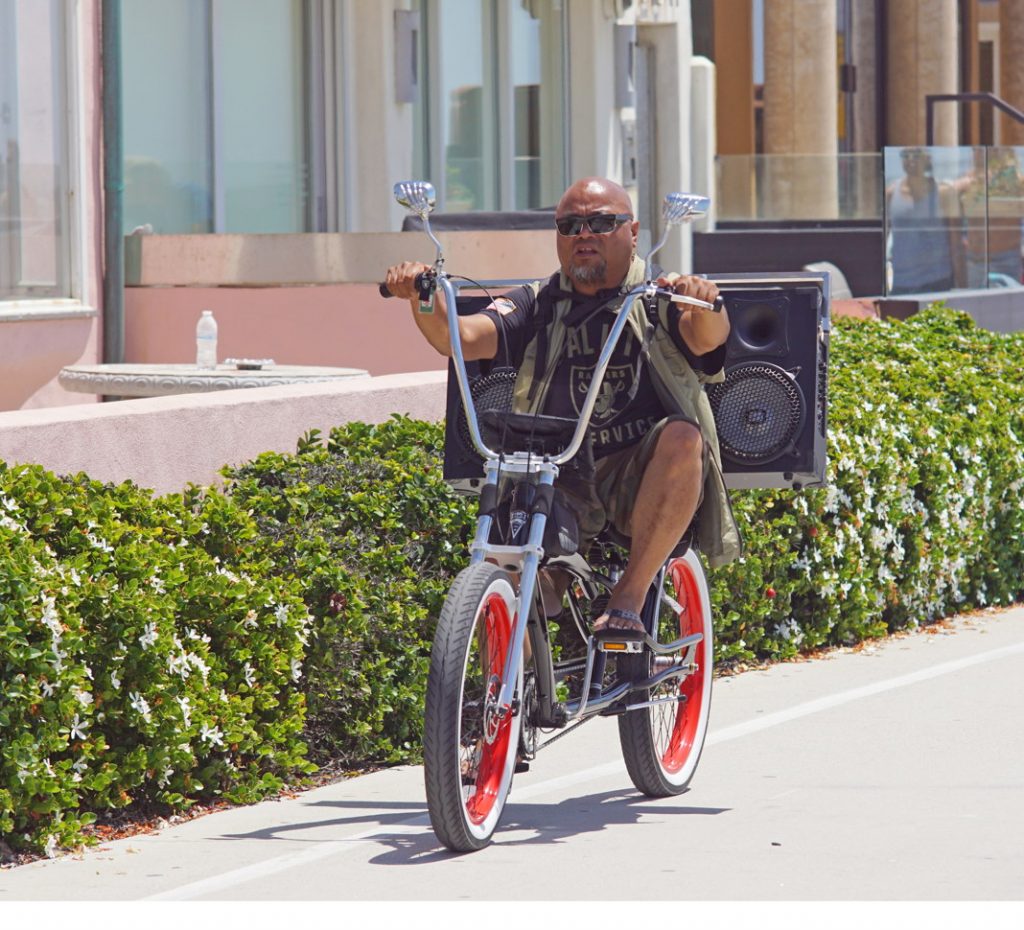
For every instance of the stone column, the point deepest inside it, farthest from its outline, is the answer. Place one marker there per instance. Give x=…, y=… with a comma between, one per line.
x=866, y=164
x=800, y=110
x=922, y=58
x=1011, y=72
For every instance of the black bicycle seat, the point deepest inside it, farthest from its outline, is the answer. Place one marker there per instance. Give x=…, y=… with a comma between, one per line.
x=524, y=432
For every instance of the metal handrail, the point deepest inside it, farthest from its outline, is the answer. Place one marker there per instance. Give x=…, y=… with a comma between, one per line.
x=931, y=99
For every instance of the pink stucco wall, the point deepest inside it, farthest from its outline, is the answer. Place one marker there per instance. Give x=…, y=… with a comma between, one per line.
x=164, y=443
x=33, y=351
x=348, y=325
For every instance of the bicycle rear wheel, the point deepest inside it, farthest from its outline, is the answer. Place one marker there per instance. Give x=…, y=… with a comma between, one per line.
x=469, y=749
x=662, y=744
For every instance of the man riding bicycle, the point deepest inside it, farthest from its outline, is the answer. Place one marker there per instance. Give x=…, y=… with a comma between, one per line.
x=655, y=450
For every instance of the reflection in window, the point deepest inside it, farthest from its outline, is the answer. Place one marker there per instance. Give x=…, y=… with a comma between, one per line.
x=953, y=218
x=493, y=103
x=213, y=114
x=33, y=194
x=467, y=106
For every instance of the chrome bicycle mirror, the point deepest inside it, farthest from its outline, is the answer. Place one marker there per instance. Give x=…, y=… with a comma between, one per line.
x=418, y=197
x=675, y=209
x=678, y=208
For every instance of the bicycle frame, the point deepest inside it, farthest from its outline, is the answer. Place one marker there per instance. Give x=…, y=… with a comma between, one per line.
x=543, y=470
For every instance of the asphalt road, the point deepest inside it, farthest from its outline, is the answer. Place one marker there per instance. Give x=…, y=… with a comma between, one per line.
x=895, y=772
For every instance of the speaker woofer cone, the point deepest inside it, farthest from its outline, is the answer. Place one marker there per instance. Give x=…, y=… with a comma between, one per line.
x=759, y=412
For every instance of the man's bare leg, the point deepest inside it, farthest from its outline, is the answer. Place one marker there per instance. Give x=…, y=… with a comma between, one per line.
x=664, y=506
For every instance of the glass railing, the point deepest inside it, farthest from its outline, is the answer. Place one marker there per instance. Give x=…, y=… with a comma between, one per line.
x=788, y=188
x=952, y=218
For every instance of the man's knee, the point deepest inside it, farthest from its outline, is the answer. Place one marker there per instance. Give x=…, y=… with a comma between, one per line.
x=680, y=444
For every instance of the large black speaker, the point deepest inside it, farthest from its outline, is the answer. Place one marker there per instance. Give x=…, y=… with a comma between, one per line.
x=772, y=409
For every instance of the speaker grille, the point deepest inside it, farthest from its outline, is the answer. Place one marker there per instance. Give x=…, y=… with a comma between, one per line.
x=489, y=392
x=759, y=412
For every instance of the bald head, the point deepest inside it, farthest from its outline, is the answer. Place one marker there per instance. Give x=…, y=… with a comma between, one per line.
x=596, y=261
x=597, y=187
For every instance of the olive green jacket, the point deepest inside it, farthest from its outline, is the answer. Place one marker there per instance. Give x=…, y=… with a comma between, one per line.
x=681, y=390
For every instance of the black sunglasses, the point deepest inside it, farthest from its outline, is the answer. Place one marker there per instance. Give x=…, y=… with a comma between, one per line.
x=598, y=223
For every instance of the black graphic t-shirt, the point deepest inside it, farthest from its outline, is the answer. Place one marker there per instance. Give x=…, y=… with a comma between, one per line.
x=618, y=421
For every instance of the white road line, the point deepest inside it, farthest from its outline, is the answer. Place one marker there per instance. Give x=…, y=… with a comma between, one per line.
x=856, y=694
x=421, y=823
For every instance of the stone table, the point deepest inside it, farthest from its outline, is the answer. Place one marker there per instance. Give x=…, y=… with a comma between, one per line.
x=128, y=380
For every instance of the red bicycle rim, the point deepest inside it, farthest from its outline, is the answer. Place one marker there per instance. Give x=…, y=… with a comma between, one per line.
x=494, y=753
x=691, y=620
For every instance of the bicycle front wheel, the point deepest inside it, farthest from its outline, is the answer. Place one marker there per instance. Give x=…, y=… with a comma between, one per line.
x=662, y=743
x=469, y=747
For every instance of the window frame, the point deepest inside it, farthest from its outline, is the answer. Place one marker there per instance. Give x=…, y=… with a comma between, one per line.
x=69, y=297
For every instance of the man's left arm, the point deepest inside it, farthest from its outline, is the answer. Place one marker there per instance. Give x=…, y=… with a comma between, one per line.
x=702, y=330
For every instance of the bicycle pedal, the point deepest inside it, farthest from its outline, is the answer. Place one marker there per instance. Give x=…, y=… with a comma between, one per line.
x=620, y=645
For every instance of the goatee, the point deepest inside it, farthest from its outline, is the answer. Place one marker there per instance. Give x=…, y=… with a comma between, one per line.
x=588, y=274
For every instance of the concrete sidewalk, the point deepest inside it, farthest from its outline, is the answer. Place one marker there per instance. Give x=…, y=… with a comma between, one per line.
x=891, y=772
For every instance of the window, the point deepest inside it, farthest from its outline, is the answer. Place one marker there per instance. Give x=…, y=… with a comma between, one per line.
x=215, y=125
x=34, y=241
x=490, y=122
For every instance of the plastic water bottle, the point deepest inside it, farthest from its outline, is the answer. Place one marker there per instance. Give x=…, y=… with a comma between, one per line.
x=206, y=341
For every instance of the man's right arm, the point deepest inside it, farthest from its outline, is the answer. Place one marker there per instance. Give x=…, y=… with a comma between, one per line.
x=478, y=332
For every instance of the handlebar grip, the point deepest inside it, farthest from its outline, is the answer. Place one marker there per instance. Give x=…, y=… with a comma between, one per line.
x=424, y=283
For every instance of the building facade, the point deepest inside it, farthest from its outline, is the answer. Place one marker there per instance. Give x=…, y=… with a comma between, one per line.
x=247, y=119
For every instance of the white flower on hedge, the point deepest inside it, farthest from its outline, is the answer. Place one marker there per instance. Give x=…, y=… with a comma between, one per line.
x=78, y=728
x=47, y=689
x=178, y=665
x=296, y=669
x=149, y=636
x=281, y=612
x=157, y=584
x=51, y=619
x=186, y=710
x=140, y=704
x=192, y=634
x=165, y=778
x=83, y=697
x=790, y=630
x=250, y=675
x=250, y=621
x=115, y=681
x=51, y=847
x=197, y=663
x=211, y=735
x=49, y=768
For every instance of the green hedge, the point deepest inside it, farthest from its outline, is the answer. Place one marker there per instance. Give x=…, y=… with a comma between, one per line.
x=144, y=655
x=186, y=647
x=366, y=522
